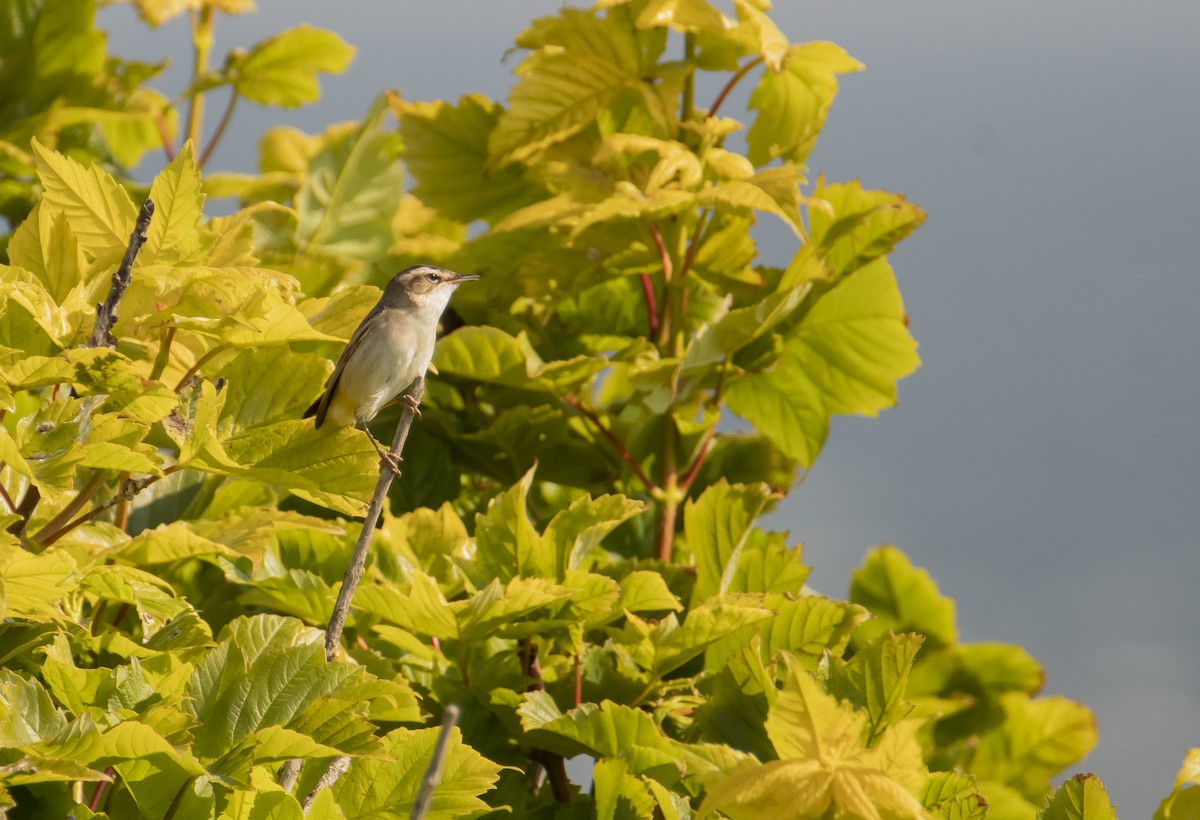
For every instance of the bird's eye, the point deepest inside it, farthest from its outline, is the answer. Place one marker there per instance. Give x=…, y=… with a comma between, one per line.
x=432, y=277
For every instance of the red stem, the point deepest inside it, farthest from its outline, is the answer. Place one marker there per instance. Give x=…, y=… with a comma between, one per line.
x=729, y=86
x=651, y=304
x=698, y=461
x=161, y=125
x=613, y=440
x=98, y=792
x=12, y=507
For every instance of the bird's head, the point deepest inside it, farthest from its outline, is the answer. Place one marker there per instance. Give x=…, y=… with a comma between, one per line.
x=425, y=286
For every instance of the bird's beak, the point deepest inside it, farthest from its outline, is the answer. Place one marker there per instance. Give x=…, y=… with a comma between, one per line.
x=459, y=278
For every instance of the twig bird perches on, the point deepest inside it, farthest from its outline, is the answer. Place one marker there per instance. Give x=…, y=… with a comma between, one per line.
x=106, y=311
x=390, y=349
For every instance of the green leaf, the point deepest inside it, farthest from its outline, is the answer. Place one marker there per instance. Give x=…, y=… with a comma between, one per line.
x=845, y=356
x=687, y=16
x=786, y=406
x=1184, y=799
x=876, y=678
x=33, y=585
x=45, y=245
x=859, y=226
x=27, y=715
x=489, y=355
x=337, y=469
x=30, y=321
x=1081, y=798
x=645, y=591
x=268, y=384
x=99, y=371
x=823, y=761
x=807, y=627
x=854, y=344
x=282, y=70
x=353, y=185
x=620, y=796
x=561, y=88
x=604, y=730
x=952, y=796
x=792, y=103
x=675, y=644
x=154, y=600
x=388, y=787
x=423, y=610
x=236, y=689
x=446, y=151
x=773, y=190
x=178, y=204
x=1003, y=667
x=508, y=544
x=495, y=606
x=1038, y=739
x=574, y=533
x=716, y=526
x=98, y=209
x=902, y=598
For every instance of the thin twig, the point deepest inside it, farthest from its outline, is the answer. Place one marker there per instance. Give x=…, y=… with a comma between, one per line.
x=76, y=504
x=689, y=475
x=338, y=767
x=729, y=86
x=98, y=792
x=333, y=634
x=221, y=126
x=202, y=40
x=191, y=371
x=25, y=509
x=12, y=505
x=651, y=304
x=128, y=490
x=160, y=123
x=664, y=260
x=433, y=774
x=613, y=440
x=668, y=507
x=106, y=313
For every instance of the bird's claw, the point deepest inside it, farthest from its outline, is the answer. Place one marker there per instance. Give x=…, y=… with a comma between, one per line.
x=392, y=461
x=412, y=404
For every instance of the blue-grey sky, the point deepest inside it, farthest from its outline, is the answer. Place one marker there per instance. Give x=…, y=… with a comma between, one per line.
x=1044, y=461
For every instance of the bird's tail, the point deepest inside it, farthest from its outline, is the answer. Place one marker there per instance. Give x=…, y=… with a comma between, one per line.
x=314, y=409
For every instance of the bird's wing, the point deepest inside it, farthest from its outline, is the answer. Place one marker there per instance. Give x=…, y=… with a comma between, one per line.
x=364, y=329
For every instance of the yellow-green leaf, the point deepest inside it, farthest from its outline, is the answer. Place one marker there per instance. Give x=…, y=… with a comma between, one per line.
x=792, y=103
x=178, y=204
x=101, y=214
x=282, y=70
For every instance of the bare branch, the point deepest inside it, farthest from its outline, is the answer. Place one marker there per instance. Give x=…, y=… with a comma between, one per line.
x=433, y=775
x=333, y=634
x=338, y=767
x=289, y=772
x=106, y=313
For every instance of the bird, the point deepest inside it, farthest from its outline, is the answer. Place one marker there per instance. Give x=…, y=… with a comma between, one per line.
x=389, y=351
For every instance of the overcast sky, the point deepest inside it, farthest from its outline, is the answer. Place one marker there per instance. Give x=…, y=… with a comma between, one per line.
x=1044, y=462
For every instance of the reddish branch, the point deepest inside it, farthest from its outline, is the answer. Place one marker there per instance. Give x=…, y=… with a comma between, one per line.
x=729, y=86
x=651, y=304
x=613, y=440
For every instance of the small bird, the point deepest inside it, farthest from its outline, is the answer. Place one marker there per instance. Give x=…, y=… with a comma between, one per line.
x=390, y=349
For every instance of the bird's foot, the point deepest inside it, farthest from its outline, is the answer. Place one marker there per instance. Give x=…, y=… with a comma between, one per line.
x=412, y=404
x=392, y=460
